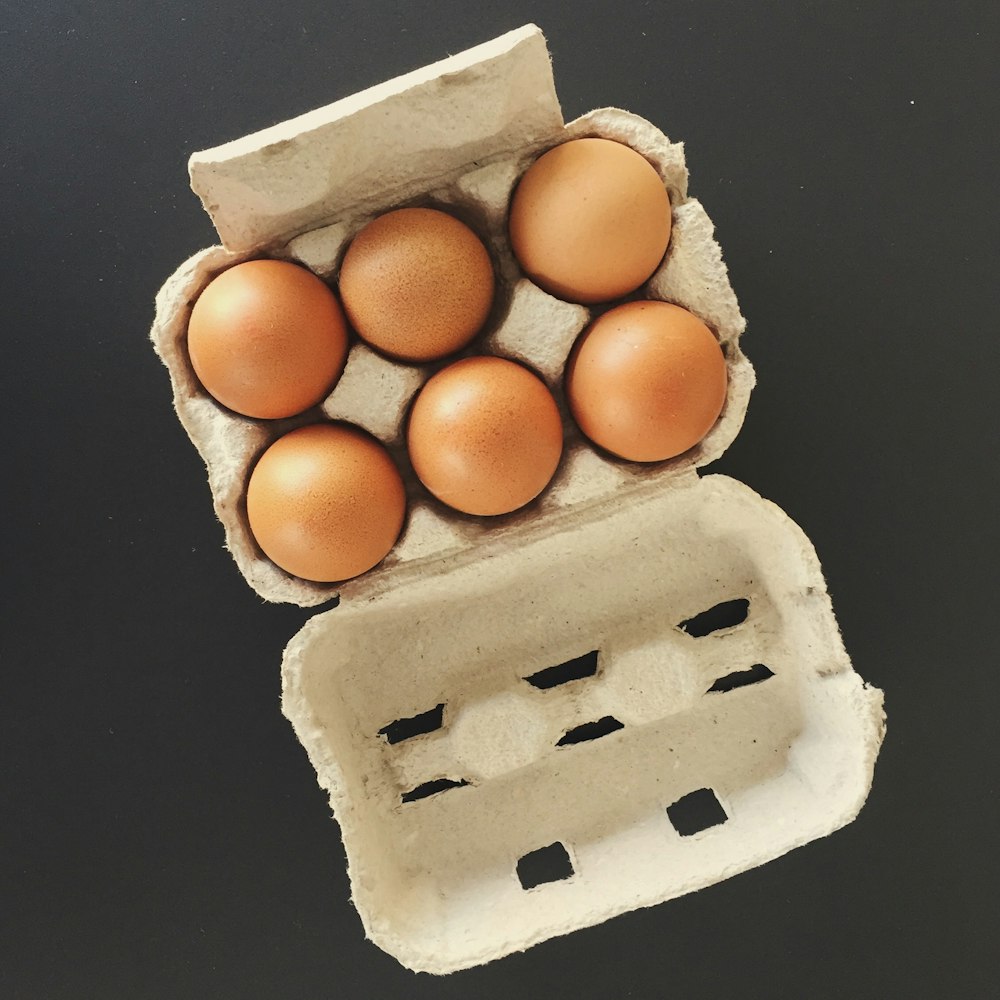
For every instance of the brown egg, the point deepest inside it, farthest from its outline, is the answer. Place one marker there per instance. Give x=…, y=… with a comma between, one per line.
x=417, y=284
x=590, y=220
x=267, y=339
x=485, y=435
x=646, y=381
x=326, y=502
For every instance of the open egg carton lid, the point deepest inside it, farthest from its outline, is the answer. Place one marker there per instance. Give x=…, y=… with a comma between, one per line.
x=633, y=688
x=457, y=134
x=584, y=725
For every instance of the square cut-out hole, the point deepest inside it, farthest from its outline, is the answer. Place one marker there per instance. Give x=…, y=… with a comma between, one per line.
x=728, y=614
x=415, y=725
x=562, y=673
x=591, y=731
x=435, y=787
x=696, y=811
x=547, y=864
x=741, y=678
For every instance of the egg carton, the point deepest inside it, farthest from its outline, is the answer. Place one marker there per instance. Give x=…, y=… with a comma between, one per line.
x=630, y=689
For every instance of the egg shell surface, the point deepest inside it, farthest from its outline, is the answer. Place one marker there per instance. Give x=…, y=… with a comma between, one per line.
x=485, y=436
x=326, y=502
x=646, y=381
x=267, y=339
x=417, y=284
x=590, y=220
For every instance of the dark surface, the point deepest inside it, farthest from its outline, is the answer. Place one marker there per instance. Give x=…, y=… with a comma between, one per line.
x=162, y=831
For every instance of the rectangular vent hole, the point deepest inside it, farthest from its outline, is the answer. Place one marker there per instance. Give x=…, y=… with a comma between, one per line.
x=591, y=731
x=725, y=615
x=741, y=678
x=417, y=725
x=562, y=673
x=695, y=812
x=547, y=864
x=434, y=787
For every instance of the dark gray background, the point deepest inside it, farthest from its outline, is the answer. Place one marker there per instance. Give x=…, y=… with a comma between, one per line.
x=162, y=831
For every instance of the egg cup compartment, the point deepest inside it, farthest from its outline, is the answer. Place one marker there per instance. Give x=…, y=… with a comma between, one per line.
x=529, y=723
x=565, y=693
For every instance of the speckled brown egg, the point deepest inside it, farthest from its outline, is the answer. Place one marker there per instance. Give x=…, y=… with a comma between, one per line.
x=417, y=284
x=326, y=502
x=267, y=339
x=485, y=436
x=590, y=220
x=646, y=381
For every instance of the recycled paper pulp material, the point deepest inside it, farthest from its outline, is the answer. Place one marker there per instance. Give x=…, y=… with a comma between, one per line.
x=759, y=733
